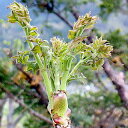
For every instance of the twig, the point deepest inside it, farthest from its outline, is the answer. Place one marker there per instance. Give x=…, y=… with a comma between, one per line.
x=117, y=79
x=31, y=111
x=51, y=9
x=75, y=12
x=62, y=18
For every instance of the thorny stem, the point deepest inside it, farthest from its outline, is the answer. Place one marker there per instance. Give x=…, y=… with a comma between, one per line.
x=44, y=74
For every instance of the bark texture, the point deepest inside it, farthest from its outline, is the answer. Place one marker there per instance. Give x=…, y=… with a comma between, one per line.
x=118, y=80
x=2, y=102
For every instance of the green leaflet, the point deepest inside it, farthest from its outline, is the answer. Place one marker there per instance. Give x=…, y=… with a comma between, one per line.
x=22, y=57
x=11, y=19
x=37, y=49
x=83, y=23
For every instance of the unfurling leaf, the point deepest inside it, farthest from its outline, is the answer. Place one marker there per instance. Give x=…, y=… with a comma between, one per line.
x=19, y=14
x=102, y=49
x=71, y=34
x=60, y=48
x=33, y=33
x=97, y=64
x=33, y=28
x=32, y=66
x=83, y=23
x=11, y=19
x=37, y=49
x=22, y=57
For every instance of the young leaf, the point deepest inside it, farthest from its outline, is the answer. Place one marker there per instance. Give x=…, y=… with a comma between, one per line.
x=34, y=33
x=37, y=49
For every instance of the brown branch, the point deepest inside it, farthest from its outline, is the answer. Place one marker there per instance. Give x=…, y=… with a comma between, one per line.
x=29, y=92
x=51, y=9
x=62, y=18
x=20, y=68
x=117, y=79
x=74, y=12
x=31, y=111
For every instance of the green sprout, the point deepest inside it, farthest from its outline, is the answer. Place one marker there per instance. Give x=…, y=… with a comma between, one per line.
x=56, y=59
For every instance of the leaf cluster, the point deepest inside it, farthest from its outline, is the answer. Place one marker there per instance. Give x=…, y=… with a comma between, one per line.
x=57, y=57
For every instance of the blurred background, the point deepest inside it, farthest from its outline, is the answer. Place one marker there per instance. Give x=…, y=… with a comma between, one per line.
x=98, y=101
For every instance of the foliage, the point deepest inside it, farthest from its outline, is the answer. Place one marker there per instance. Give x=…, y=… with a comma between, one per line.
x=117, y=39
x=35, y=123
x=88, y=104
x=109, y=6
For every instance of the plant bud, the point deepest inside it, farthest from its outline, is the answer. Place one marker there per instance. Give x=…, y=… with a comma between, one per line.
x=60, y=104
x=19, y=13
x=62, y=121
x=59, y=120
x=71, y=34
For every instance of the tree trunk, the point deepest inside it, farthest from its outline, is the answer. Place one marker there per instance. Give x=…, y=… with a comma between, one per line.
x=118, y=80
x=10, y=121
x=2, y=102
